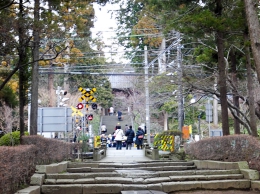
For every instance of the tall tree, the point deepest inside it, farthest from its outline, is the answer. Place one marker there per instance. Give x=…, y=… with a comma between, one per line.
x=222, y=70
x=251, y=7
x=22, y=64
x=234, y=77
x=250, y=86
x=35, y=80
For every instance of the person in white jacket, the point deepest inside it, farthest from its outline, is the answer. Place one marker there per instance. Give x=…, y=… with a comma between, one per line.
x=119, y=134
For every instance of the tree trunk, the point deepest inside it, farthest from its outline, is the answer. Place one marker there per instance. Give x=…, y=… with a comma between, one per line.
x=21, y=66
x=250, y=88
x=222, y=74
x=254, y=31
x=35, y=80
x=235, y=84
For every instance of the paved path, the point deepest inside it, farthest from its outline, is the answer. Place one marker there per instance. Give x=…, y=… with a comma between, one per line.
x=133, y=155
x=124, y=155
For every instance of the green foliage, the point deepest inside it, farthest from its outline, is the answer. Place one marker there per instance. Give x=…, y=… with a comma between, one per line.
x=191, y=115
x=95, y=124
x=8, y=96
x=128, y=17
x=161, y=90
x=11, y=139
x=172, y=132
x=84, y=140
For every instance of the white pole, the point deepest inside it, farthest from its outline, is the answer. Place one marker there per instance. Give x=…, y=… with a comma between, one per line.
x=209, y=114
x=147, y=108
x=180, y=97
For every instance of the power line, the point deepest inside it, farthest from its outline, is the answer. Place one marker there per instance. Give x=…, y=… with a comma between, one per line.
x=97, y=74
x=116, y=31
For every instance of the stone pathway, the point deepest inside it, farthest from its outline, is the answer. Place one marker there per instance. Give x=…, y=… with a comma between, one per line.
x=124, y=155
x=192, y=192
x=142, y=192
x=218, y=192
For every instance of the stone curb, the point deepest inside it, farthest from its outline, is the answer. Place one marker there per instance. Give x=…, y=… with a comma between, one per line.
x=255, y=185
x=30, y=190
x=242, y=166
x=210, y=164
x=52, y=168
x=250, y=174
x=37, y=179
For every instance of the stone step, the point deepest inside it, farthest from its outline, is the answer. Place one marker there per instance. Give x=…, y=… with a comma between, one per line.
x=141, y=174
x=112, y=121
x=167, y=187
x=110, y=167
x=151, y=168
x=135, y=180
x=153, y=163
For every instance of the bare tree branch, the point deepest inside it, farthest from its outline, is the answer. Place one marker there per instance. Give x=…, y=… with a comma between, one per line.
x=7, y=5
x=17, y=68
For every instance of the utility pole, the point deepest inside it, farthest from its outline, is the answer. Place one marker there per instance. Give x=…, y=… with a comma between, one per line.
x=162, y=58
x=147, y=102
x=179, y=74
x=162, y=69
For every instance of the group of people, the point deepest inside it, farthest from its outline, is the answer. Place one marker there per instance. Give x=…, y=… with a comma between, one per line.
x=128, y=135
x=119, y=113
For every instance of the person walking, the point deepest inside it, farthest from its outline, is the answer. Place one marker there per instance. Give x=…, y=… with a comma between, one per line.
x=130, y=134
x=103, y=129
x=119, y=137
x=126, y=128
x=139, y=138
x=119, y=115
x=111, y=111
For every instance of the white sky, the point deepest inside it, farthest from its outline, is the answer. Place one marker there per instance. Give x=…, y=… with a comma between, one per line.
x=104, y=26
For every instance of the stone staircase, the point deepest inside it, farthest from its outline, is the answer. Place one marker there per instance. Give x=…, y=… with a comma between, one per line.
x=144, y=177
x=112, y=121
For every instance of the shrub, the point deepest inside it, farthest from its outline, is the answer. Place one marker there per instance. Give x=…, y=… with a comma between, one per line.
x=232, y=148
x=172, y=132
x=17, y=167
x=11, y=139
x=50, y=150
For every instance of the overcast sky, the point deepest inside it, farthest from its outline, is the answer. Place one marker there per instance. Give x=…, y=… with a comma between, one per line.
x=104, y=26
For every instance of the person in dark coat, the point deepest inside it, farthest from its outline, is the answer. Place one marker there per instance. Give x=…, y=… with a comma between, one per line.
x=139, y=138
x=119, y=115
x=130, y=136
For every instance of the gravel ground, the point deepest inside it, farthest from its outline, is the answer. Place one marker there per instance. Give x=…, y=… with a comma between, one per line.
x=218, y=192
